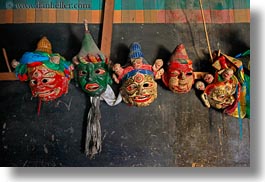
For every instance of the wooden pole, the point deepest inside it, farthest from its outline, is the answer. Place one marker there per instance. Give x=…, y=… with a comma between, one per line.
x=206, y=33
x=6, y=59
x=107, y=27
x=7, y=75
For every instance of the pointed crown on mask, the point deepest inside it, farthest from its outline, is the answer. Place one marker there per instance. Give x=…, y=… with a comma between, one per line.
x=44, y=45
x=179, y=58
x=135, y=50
x=89, y=52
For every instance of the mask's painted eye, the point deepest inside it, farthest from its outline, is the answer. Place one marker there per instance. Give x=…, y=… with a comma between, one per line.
x=36, y=74
x=44, y=80
x=131, y=87
x=189, y=74
x=47, y=80
x=100, y=71
x=174, y=73
x=33, y=82
x=50, y=74
x=221, y=97
x=82, y=73
x=147, y=84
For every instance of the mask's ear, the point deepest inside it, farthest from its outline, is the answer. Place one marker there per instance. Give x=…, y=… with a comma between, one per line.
x=75, y=61
x=14, y=63
x=205, y=100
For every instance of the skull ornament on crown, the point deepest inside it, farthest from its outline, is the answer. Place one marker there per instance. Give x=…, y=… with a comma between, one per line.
x=139, y=87
x=179, y=76
x=48, y=74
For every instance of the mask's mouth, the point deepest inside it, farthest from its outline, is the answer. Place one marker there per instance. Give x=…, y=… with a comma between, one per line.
x=181, y=88
x=142, y=98
x=91, y=87
x=47, y=93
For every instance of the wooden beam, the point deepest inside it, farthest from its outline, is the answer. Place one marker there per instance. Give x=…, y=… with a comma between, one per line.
x=8, y=76
x=107, y=27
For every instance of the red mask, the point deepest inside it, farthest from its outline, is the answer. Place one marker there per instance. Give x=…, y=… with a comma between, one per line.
x=179, y=76
x=47, y=84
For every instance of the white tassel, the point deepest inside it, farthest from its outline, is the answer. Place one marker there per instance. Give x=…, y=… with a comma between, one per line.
x=93, y=133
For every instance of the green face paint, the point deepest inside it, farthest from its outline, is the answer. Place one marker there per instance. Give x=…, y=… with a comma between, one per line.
x=93, y=77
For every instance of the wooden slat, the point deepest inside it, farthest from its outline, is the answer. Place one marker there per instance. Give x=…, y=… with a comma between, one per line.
x=161, y=16
x=241, y=15
x=117, y=16
x=30, y=16
x=83, y=14
x=19, y=16
x=151, y=16
x=8, y=76
x=73, y=16
x=128, y=14
x=125, y=16
x=6, y=16
x=107, y=27
x=46, y=16
x=61, y=16
x=96, y=16
x=139, y=16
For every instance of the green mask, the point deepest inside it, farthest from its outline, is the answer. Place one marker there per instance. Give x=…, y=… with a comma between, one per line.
x=93, y=77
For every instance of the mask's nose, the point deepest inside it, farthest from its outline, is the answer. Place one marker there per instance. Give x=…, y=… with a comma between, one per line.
x=182, y=76
x=90, y=76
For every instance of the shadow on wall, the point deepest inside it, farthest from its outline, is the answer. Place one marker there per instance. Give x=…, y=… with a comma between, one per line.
x=120, y=54
x=239, y=45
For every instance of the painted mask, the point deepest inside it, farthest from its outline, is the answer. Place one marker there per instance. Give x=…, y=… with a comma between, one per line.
x=221, y=95
x=140, y=89
x=46, y=83
x=92, y=67
x=138, y=79
x=93, y=77
x=179, y=77
x=228, y=91
x=48, y=74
